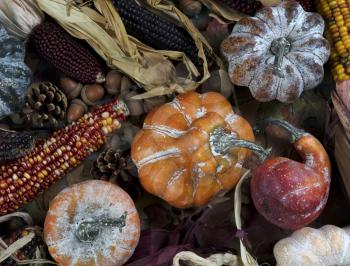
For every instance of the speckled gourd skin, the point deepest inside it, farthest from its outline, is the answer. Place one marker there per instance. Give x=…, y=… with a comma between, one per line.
x=173, y=152
x=292, y=194
x=327, y=246
x=251, y=61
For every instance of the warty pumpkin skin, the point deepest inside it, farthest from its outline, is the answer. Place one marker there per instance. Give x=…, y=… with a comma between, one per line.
x=174, y=151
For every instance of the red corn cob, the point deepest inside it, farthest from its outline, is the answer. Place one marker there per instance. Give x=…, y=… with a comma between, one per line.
x=21, y=180
x=65, y=53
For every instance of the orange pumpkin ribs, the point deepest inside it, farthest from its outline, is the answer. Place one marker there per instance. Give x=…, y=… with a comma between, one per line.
x=175, y=156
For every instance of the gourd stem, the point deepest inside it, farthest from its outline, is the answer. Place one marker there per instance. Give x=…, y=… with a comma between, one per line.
x=221, y=141
x=88, y=231
x=296, y=133
x=279, y=47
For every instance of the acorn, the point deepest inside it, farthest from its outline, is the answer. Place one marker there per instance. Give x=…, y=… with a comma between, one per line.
x=76, y=110
x=113, y=82
x=125, y=86
x=135, y=106
x=70, y=87
x=190, y=7
x=92, y=93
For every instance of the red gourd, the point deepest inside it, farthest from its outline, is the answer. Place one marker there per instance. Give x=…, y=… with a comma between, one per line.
x=288, y=193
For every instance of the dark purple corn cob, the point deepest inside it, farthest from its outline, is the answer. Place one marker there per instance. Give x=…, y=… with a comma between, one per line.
x=306, y=4
x=245, y=6
x=65, y=53
x=155, y=31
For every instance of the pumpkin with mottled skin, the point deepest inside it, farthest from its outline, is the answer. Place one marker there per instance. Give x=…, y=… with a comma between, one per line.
x=92, y=201
x=278, y=53
x=175, y=157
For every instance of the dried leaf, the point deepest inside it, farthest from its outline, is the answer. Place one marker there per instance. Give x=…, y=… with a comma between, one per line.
x=246, y=258
x=270, y=2
x=228, y=14
x=19, y=17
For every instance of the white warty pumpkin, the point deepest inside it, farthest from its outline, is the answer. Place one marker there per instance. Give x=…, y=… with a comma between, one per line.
x=327, y=246
x=279, y=53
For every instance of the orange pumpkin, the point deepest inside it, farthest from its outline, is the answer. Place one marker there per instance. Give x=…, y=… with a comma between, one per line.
x=92, y=223
x=176, y=151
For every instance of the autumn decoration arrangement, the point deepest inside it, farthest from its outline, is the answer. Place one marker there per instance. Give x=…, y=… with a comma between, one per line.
x=182, y=132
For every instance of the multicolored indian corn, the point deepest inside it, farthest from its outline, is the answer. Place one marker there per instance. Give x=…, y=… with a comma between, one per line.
x=337, y=16
x=21, y=180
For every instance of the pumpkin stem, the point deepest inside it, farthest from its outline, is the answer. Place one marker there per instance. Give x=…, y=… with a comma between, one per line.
x=88, y=231
x=296, y=133
x=280, y=47
x=221, y=141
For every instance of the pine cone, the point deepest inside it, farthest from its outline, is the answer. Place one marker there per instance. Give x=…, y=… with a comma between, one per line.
x=45, y=105
x=25, y=253
x=116, y=166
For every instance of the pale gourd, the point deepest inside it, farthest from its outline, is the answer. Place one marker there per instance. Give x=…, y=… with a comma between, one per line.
x=15, y=75
x=279, y=53
x=327, y=246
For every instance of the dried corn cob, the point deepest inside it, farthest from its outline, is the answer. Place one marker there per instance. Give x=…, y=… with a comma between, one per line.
x=23, y=179
x=154, y=30
x=337, y=16
x=306, y=4
x=251, y=6
x=245, y=6
x=65, y=53
x=15, y=144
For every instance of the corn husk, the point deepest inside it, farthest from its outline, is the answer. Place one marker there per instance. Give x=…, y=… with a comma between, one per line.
x=342, y=111
x=7, y=251
x=106, y=34
x=229, y=15
x=342, y=156
x=245, y=258
x=19, y=17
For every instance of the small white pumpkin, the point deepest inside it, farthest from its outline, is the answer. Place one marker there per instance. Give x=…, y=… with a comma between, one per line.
x=327, y=246
x=278, y=53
